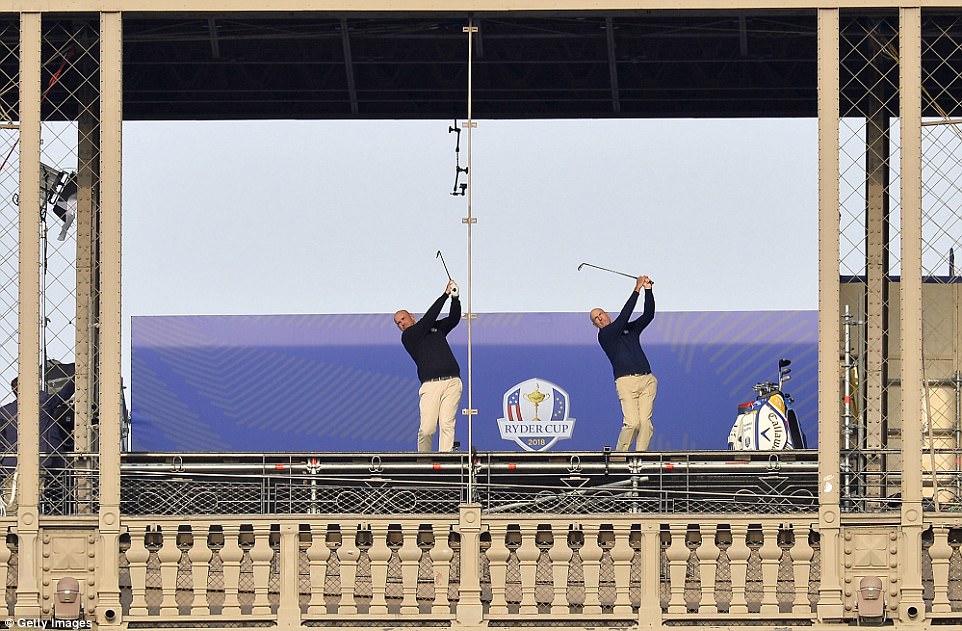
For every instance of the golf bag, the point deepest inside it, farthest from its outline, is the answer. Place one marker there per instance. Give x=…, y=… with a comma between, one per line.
x=768, y=423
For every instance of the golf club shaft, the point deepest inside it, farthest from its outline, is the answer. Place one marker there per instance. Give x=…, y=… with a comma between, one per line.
x=441, y=256
x=607, y=270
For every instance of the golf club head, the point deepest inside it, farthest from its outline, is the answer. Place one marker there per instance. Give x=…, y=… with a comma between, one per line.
x=438, y=255
x=580, y=266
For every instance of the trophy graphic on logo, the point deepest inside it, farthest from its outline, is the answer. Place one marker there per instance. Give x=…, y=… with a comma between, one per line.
x=536, y=397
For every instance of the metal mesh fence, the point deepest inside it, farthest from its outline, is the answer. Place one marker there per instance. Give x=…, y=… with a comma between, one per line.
x=69, y=286
x=68, y=188
x=870, y=269
x=869, y=257
x=941, y=240
x=69, y=85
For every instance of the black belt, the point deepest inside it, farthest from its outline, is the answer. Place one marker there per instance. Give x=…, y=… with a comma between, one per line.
x=439, y=379
x=637, y=374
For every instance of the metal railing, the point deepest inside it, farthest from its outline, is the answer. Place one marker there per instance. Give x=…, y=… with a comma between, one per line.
x=506, y=483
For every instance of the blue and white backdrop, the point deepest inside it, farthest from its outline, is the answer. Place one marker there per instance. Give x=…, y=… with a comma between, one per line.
x=316, y=383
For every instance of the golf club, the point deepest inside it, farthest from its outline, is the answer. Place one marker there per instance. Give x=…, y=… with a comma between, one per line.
x=605, y=269
x=441, y=256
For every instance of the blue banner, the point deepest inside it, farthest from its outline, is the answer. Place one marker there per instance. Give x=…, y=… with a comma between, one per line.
x=344, y=383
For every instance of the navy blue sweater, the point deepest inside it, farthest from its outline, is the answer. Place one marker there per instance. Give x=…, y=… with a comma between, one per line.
x=426, y=341
x=620, y=338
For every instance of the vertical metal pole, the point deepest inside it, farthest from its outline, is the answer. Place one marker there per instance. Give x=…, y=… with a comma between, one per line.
x=470, y=412
x=911, y=603
x=111, y=106
x=829, y=515
x=847, y=424
x=957, y=382
x=877, y=230
x=28, y=400
x=88, y=169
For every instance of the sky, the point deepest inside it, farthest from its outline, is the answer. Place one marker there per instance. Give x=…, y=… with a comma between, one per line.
x=345, y=217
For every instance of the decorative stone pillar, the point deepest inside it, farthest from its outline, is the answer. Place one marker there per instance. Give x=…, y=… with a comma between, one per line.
x=410, y=554
x=707, y=554
x=770, y=553
x=200, y=555
x=528, y=557
x=560, y=555
x=441, y=556
x=677, y=554
x=621, y=555
x=317, y=556
x=739, y=553
x=498, y=556
x=941, y=552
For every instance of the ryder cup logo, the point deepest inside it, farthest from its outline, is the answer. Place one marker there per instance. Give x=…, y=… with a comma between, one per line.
x=536, y=415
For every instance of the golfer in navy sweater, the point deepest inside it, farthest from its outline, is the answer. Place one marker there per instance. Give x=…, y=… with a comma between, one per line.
x=440, y=392
x=634, y=382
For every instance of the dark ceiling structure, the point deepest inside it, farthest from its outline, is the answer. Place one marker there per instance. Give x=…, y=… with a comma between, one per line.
x=414, y=65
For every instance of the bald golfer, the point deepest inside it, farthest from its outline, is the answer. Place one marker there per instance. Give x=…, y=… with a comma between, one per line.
x=636, y=386
x=440, y=392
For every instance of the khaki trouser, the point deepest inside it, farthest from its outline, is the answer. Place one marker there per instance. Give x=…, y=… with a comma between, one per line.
x=637, y=396
x=439, y=402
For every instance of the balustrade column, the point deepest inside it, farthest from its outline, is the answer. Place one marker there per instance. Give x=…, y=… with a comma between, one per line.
x=707, y=554
x=231, y=556
x=941, y=552
x=289, y=610
x=379, y=555
x=410, y=555
x=497, y=560
x=441, y=555
x=677, y=554
x=738, y=553
x=348, y=554
x=200, y=555
x=770, y=553
x=169, y=557
x=591, y=554
x=137, y=556
x=261, y=555
x=528, y=557
x=621, y=554
x=5, y=554
x=802, y=555
x=560, y=555
x=317, y=556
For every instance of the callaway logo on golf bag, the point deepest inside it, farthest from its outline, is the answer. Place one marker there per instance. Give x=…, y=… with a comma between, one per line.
x=767, y=423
